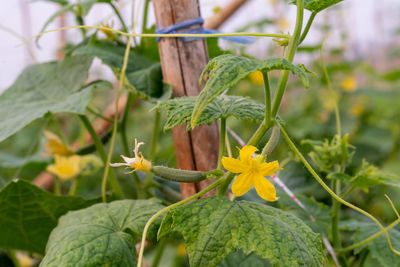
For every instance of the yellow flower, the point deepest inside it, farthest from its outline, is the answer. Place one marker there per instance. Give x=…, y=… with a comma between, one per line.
x=257, y=77
x=137, y=163
x=65, y=168
x=349, y=84
x=54, y=145
x=252, y=172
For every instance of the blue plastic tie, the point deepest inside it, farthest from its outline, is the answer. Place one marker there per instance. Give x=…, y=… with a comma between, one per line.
x=199, y=30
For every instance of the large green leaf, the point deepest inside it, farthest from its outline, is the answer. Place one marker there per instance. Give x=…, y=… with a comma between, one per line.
x=28, y=214
x=101, y=235
x=179, y=110
x=239, y=259
x=143, y=75
x=41, y=88
x=318, y=5
x=379, y=248
x=226, y=71
x=215, y=227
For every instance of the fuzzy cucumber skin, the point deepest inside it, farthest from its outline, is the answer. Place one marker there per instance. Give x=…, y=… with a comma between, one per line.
x=176, y=175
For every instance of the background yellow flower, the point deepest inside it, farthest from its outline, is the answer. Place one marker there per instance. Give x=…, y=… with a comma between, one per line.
x=65, y=168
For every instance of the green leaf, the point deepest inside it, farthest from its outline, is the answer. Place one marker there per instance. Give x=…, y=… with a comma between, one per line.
x=318, y=210
x=28, y=214
x=226, y=71
x=239, y=259
x=101, y=235
x=215, y=227
x=379, y=248
x=368, y=175
x=179, y=110
x=7, y=160
x=318, y=5
x=42, y=88
x=143, y=75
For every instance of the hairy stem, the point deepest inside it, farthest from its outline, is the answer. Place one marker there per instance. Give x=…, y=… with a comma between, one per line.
x=272, y=142
x=293, y=43
x=222, y=136
x=267, y=100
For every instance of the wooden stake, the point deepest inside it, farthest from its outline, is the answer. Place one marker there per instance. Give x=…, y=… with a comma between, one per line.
x=182, y=63
x=225, y=13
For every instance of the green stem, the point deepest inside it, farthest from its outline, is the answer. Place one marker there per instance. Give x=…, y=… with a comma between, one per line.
x=272, y=142
x=115, y=124
x=125, y=145
x=166, y=209
x=222, y=136
x=100, y=149
x=159, y=252
x=156, y=129
x=145, y=15
x=308, y=26
x=163, y=35
x=74, y=186
x=335, y=216
x=81, y=22
x=116, y=11
x=225, y=184
x=267, y=96
x=334, y=96
x=123, y=123
x=57, y=186
x=333, y=194
x=293, y=43
x=228, y=145
x=369, y=239
x=94, y=112
x=263, y=128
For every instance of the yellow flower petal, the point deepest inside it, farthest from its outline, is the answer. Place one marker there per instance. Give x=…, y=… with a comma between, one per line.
x=65, y=168
x=242, y=183
x=234, y=165
x=268, y=169
x=246, y=152
x=54, y=145
x=264, y=188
